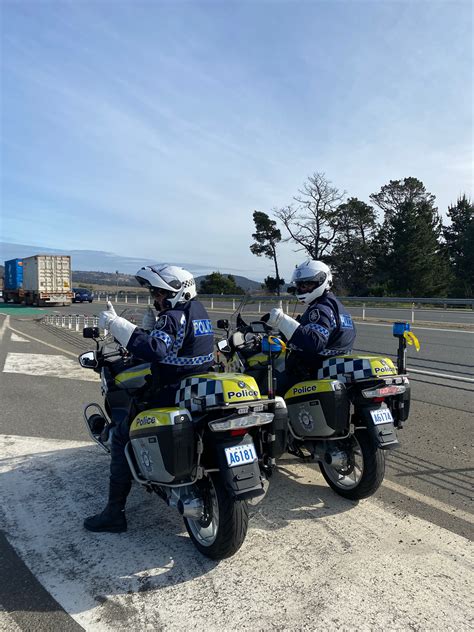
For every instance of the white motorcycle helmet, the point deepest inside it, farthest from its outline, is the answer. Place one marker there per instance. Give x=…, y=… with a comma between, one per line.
x=311, y=279
x=177, y=282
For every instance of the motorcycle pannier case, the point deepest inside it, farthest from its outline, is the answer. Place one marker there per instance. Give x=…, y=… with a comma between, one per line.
x=164, y=444
x=318, y=408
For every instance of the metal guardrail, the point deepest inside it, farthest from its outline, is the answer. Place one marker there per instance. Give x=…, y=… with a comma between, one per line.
x=142, y=298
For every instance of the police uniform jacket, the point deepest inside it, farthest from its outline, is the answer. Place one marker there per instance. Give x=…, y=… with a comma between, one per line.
x=326, y=329
x=180, y=344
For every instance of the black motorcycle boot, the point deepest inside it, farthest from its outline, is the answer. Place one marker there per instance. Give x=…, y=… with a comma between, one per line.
x=112, y=519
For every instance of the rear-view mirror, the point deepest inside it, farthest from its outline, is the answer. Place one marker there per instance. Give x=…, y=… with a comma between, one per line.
x=223, y=346
x=88, y=360
x=223, y=323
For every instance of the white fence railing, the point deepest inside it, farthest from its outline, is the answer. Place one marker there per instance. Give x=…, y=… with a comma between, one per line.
x=75, y=322
x=141, y=298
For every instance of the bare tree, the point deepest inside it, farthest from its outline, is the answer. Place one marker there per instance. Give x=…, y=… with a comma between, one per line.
x=312, y=222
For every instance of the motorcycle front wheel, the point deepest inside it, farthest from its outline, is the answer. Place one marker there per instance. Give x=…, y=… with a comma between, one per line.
x=360, y=473
x=220, y=532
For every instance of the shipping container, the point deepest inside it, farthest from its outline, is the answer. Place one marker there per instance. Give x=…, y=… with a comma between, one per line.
x=13, y=274
x=39, y=280
x=47, y=280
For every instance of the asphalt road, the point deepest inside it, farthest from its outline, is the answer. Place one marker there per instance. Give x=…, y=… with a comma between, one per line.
x=420, y=518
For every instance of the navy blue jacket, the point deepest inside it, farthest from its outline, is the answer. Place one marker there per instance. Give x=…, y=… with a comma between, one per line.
x=181, y=344
x=326, y=329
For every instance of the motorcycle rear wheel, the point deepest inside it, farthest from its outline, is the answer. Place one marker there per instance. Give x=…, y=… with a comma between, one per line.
x=364, y=472
x=221, y=532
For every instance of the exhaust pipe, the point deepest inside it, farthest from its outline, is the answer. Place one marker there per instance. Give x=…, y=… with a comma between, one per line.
x=190, y=507
x=337, y=459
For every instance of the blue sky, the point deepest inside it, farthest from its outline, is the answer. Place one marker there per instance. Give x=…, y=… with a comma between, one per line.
x=154, y=129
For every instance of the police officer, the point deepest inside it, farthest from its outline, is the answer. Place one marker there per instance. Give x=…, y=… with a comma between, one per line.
x=325, y=328
x=178, y=343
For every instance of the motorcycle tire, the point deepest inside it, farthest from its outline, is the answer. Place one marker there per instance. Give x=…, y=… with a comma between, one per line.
x=365, y=472
x=221, y=532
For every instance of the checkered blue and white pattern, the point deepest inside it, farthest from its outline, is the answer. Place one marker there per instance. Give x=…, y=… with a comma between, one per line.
x=320, y=329
x=191, y=388
x=345, y=369
x=162, y=335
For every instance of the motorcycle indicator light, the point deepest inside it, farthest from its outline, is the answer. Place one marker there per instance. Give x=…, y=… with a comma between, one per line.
x=384, y=391
x=235, y=423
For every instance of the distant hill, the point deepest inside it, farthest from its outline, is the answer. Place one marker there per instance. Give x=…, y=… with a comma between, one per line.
x=111, y=279
x=128, y=280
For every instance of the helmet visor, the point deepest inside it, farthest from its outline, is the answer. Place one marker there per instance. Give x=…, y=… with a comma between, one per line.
x=158, y=292
x=308, y=285
x=172, y=282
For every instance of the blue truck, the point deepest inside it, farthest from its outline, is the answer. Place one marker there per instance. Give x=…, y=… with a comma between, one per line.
x=13, y=281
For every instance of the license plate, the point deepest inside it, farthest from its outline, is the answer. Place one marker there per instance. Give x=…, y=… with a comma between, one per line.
x=240, y=454
x=381, y=416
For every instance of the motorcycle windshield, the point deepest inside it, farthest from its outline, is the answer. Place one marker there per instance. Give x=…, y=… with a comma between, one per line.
x=253, y=308
x=135, y=314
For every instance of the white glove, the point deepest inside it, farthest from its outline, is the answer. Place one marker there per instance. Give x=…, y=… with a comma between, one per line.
x=120, y=328
x=149, y=320
x=107, y=316
x=279, y=320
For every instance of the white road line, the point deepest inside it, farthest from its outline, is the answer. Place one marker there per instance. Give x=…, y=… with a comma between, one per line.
x=431, y=502
x=415, y=326
x=330, y=560
x=445, y=376
x=47, y=344
x=16, y=338
x=4, y=326
x=42, y=365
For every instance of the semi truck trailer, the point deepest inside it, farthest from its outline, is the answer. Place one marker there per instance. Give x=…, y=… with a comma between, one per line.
x=39, y=280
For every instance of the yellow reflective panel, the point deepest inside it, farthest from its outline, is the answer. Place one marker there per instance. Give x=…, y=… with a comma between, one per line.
x=259, y=358
x=382, y=366
x=130, y=374
x=156, y=417
x=302, y=389
x=239, y=388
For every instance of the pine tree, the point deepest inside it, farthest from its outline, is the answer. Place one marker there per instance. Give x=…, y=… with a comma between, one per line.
x=352, y=257
x=409, y=258
x=459, y=237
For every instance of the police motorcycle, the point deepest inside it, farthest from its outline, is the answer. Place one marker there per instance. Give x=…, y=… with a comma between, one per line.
x=208, y=456
x=345, y=417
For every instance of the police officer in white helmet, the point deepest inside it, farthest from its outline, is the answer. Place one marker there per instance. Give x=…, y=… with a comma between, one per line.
x=325, y=329
x=177, y=343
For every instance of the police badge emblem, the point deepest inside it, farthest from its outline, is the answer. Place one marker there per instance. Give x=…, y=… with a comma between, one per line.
x=161, y=322
x=314, y=315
